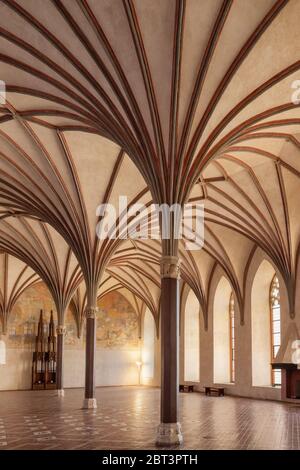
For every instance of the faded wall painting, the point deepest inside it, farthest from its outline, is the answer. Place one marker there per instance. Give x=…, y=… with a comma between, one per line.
x=117, y=322
x=23, y=320
x=71, y=339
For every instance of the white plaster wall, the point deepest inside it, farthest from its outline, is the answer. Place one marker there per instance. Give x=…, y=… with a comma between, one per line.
x=153, y=381
x=148, y=348
x=16, y=373
x=113, y=367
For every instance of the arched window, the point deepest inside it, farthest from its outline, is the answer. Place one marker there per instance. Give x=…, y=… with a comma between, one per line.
x=265, y=325
x=222, y=333
x=192, y=339
x=275, y=327
x=232, y=338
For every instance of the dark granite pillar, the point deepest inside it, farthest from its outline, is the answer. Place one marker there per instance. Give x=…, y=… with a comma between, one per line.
x=90, y=384
x=169, y=431
x=59, y=360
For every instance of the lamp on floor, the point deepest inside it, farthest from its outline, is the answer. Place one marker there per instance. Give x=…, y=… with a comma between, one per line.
x=139, y=366
x=2, y=352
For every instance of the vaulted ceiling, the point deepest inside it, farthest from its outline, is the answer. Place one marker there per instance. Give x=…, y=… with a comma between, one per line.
x=15, y=277
x=165, y=101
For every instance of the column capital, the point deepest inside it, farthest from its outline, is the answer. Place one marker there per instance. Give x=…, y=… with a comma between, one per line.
x=170, y=267
x=61, y=330
x=91, y=312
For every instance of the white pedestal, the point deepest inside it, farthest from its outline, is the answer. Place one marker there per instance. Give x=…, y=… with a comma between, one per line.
x=89, y=403
x=169, y=434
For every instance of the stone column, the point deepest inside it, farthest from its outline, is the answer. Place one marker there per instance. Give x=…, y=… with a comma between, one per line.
x=90, y=385
x=60, y=331
x=169, y=430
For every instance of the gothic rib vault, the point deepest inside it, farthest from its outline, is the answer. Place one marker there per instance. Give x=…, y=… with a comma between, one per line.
x=159, y=101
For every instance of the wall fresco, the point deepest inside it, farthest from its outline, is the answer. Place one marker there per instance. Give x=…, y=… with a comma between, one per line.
x=71, y=339
x=117, y=322
x=23, y=320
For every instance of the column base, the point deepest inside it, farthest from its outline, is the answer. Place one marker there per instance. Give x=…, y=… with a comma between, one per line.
x=89, y=403
x=60, y=392
x=169, y=434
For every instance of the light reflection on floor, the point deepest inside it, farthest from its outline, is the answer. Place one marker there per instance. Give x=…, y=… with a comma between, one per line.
x=127, y=418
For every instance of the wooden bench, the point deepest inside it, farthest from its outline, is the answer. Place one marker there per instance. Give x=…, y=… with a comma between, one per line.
x=219, y=391
x=186, y=388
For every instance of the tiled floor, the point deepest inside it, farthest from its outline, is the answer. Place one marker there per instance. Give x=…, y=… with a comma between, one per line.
x=127, y=418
